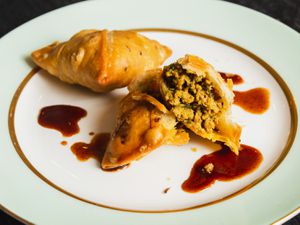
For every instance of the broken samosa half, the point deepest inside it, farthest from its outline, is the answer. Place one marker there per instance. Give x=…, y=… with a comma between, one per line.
x=101, y=60
x=200, y=99
x=142, y=125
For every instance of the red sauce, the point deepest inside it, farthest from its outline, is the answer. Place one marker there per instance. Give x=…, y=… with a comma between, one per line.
x=63, y=143
x=226, y=166
x=95, y=149
x=236, y=79
x=255, y=100
x=63, y=118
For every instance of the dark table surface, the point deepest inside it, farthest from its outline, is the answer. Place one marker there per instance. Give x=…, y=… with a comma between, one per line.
x=15, y=12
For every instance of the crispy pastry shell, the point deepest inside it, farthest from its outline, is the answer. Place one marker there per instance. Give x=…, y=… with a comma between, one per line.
x=101, y=60
x=142, y=125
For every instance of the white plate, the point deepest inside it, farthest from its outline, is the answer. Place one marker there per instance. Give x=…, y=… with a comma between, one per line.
x=74, y=186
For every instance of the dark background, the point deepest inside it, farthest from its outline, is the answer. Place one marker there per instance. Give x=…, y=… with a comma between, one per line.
x=15, y=12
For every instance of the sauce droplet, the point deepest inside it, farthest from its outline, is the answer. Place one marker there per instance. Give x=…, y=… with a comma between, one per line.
x=63, y=143
x=63, y=118
x=255, y=100
x=91, y=133
x=222, y=165
x=236, y=79
x=165, y=191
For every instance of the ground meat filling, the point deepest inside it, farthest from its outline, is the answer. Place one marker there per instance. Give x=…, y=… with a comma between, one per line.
x=191, y=98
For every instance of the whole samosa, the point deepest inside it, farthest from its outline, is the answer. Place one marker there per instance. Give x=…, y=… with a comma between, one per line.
x=101, y=60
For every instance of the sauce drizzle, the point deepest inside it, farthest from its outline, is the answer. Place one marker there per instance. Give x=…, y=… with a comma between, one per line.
x=95, y=149
x=63, y=118
x=255, y=101
x=226, y=166
x=236, y=79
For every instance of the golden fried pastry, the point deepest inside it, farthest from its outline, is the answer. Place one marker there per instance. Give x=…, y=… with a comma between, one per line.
x=200, y=99
x=101, y=60
x=143, y=124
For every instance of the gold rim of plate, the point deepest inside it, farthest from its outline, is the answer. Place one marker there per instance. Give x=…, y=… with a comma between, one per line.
x=275, y=75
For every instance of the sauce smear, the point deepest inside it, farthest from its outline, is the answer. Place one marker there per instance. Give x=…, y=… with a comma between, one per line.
x=63, y=118
x=95, y=149
x=236, y=79
x=255, y=100
x=222, y=165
